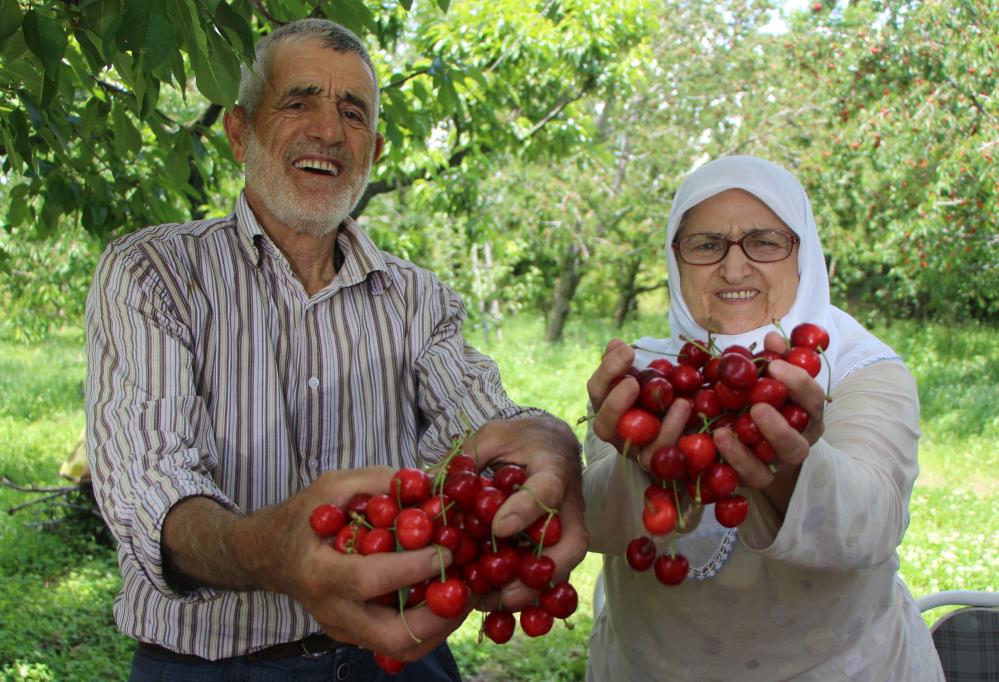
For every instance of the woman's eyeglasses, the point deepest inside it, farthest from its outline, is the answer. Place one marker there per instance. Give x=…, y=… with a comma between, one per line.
x=760, y=246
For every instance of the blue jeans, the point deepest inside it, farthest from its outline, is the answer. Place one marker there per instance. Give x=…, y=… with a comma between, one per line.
x=344, y=663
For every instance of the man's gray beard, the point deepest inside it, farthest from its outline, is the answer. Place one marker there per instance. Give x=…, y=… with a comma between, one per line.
x=277, y=191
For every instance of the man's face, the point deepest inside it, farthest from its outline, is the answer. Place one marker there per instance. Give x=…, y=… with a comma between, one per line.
x=310, y=143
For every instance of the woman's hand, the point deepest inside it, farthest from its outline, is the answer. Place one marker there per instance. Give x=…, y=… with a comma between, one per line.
x=791, y=447
x=611, y=401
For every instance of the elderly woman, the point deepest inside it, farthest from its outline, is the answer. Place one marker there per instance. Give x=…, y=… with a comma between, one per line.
x=806, y=588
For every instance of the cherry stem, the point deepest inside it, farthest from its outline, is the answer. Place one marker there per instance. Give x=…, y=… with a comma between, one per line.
x=627, y=446
x=440, y=559
x=822, y=354
x=551, y=512
x=697, y=497
x=544, y=529
x=405, y=623
x=676, y=497
x=583, y=420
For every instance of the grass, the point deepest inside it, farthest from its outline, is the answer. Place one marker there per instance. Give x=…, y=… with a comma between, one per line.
x=57, y=584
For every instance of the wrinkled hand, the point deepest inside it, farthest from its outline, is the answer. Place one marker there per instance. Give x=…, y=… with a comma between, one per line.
x=548, y=451
x=336, y=587
x=791, y=447
x=610, y=403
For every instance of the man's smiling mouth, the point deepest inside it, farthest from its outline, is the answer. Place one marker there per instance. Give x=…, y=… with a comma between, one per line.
x=316, y=166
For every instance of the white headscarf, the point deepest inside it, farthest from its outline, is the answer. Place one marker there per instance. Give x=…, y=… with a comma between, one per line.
x=850, y=345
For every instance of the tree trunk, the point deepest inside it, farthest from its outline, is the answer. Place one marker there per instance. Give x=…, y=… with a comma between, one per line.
x=565, y=289
x=627, y=291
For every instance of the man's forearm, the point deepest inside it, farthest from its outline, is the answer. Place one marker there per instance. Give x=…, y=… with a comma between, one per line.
x=206, y=545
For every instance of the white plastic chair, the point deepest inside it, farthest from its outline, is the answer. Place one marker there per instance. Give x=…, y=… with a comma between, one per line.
x=967, y=640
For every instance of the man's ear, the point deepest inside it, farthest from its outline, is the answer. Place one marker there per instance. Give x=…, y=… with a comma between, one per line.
x=379, y=147
x=235, y=123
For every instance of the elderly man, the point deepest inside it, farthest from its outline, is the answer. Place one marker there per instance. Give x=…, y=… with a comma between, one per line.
x=245, y=369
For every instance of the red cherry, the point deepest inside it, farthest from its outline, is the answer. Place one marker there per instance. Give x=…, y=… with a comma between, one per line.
x=730, y=398
x=656, y=395
x=699, y=449
x=764, y=452
x=641, y=552
x=638, y=427
x=382, y=511
x=671, y=570
x=699, y=492
x=487, y=502
x=509, y=478
x=658, y=511
x=736, y=371
x=476, y=528
x=710, y=370
x=413, y=528
x=500, y=567
x=436, y=508
x=461, y=463
x=447, y=598
x=447, y=536
x=410, y=486
x=543, y=528
x=764, y=358
x=707, y=403
x=741, y=350
x=417, y=594
x=349, y=538
x=648, y=374
x=693, y=354
x=327, y=520
x=377, y=541
x=358, y=504
x=806, y=358
x=535, y=621
x=560, y=601
x=475, y=577
x=662, y=364
x=746, y=430
x=731, y=511
x=811, y=336
x=668, y=463
x=392, y=666
x=685, y=379
x=770, y=391
x=468, y=550
x=536, y=571
x=721, y=478
x=796, y=416
x=462, y=487
x=499, y=626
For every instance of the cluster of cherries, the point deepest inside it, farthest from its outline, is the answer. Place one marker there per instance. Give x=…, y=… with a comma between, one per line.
x=722, y=386
x=453, y=507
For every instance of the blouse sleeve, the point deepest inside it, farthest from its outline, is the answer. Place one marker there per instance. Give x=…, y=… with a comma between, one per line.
x=850, y=504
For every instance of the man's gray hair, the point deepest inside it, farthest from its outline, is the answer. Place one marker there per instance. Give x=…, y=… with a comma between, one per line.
x=331, y=34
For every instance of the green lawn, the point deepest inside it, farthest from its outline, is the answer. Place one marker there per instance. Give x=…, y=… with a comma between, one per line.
x=56, y=585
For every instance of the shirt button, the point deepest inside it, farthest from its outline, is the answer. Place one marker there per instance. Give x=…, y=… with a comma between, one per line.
x=313, y=382
x=343, y=672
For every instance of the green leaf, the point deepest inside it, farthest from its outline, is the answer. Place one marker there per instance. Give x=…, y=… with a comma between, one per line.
x=159, y=42
x=354, y=14
x=406, y=4
x=218, y=74
x=18, y=211
x=46, y=39
x=443, y=5
x=235, y=26
x=22, y=135
x=131, y=33
x=93, y=114
x=176, y=165
x=10, y=19
x=127, y=140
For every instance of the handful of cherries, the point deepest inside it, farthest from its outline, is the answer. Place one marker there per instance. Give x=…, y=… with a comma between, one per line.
x=453, y=506
x=722, y=386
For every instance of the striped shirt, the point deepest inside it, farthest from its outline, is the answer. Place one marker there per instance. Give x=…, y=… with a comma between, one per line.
x=212, y=373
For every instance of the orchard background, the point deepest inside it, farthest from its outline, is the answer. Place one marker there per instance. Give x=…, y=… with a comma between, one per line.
x=532, y=151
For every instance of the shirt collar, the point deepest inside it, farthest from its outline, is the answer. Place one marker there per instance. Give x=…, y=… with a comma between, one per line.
x=361, y=256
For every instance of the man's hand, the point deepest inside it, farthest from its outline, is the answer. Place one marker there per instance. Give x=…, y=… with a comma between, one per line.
x=548, y=451
x=275, y=549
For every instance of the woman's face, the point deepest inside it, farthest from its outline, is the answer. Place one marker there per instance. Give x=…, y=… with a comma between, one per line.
x=736, y=295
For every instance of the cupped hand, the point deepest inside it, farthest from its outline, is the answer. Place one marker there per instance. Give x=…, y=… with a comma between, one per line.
x=548, y=451
x=791, y=446
x=336, y=588
x=611, y=398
